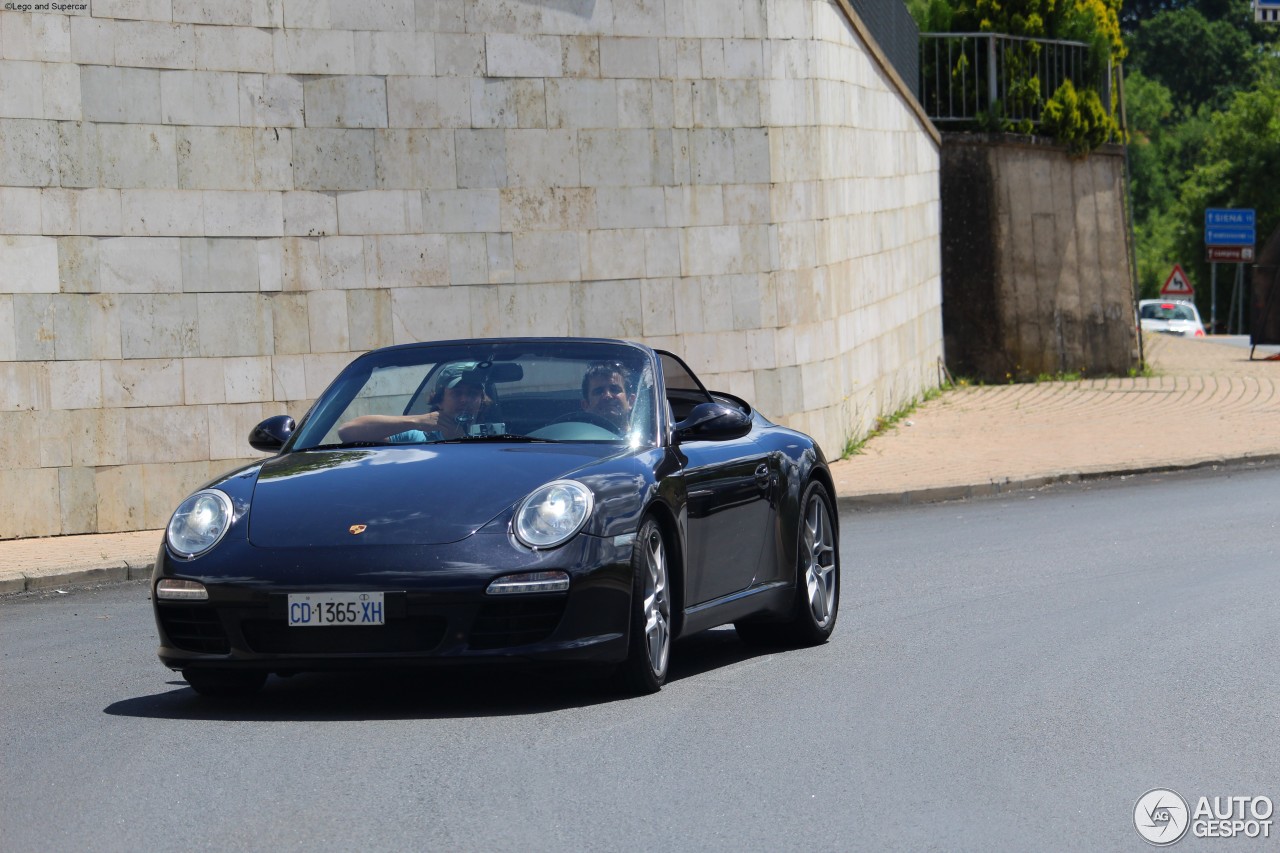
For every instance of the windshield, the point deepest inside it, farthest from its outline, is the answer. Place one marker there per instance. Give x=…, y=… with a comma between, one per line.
x=488, y=391
x=1166, y=311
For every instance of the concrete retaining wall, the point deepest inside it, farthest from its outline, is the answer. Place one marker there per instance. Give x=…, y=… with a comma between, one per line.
x=206, y=208
x=1035, y=264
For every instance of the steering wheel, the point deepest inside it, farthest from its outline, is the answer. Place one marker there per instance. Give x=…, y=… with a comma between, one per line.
x=588, y=418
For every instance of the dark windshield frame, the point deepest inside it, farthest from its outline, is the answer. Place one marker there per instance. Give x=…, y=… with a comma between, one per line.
x=335, y=399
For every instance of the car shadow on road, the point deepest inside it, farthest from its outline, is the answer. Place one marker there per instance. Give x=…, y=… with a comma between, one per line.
x=431, y=693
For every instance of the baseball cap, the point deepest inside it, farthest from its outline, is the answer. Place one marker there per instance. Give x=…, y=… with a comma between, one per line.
x=454, y=374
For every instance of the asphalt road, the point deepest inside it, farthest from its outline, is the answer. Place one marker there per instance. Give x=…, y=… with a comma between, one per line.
x=1008, y=674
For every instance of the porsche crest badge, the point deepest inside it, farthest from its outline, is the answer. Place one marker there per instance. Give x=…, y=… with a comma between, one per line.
x=357, y=529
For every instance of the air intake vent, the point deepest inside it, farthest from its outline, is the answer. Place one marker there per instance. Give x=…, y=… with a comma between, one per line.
x=194, y=629
x=516, y=623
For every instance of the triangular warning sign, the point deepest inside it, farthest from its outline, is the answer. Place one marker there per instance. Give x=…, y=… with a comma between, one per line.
x=1177, y=284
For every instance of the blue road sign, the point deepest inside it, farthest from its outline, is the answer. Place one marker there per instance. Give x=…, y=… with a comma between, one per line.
x=1237, y=217
x=1224, y=236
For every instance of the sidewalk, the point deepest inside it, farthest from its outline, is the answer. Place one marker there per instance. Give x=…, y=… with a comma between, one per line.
x=1207, y=405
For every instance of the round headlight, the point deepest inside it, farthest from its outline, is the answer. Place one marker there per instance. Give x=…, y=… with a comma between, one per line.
x=553, y=514
x=199, y=523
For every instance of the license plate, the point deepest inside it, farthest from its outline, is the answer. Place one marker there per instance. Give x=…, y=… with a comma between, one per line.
x=308, y=609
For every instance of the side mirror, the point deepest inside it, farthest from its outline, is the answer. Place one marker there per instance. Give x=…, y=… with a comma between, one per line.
x=713, y=422
x=270, y=435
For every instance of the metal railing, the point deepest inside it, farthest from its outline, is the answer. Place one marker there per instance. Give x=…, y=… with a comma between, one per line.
x=965, y=77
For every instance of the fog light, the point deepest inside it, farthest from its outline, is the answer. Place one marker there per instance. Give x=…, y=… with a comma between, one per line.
x=529, y=582
x=173, y=589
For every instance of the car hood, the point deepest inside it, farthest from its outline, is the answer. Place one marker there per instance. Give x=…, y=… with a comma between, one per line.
x=417, y=495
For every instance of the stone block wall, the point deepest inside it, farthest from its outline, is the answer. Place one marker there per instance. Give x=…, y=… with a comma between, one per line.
x=207, y=208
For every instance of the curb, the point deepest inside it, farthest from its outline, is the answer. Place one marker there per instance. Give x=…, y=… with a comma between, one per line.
x=942, y=494
x=13, y=583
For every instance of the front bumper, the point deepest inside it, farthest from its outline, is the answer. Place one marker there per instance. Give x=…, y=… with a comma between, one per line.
x=437, y=612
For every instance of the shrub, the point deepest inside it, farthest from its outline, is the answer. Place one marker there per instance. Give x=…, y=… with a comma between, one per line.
x=1077, y=119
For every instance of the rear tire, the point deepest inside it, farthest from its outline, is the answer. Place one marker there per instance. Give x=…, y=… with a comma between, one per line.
x=817, y=594
x=649, y=644
x=224, y=684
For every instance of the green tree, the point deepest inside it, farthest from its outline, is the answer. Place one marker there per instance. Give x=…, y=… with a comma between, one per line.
x=1188, y=58
x=1134, y=12
x=1155, y=240
x=1162, y=149
x=1238, y=167
x=1200, y=62
x=1161, y=155
x=1149, y=104
x=931, y=16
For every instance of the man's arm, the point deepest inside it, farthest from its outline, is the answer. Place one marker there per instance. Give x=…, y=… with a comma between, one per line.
x=379, y=427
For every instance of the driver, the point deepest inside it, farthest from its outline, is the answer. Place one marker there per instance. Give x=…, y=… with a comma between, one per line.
x=607, y=392
x=456, y=400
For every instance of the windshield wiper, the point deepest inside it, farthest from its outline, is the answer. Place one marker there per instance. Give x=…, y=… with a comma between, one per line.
x=346, y=445
x=502, y=436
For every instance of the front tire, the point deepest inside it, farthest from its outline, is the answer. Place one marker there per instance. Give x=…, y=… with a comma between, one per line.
x=649, y=644
x=224, y=684
x=817, y=594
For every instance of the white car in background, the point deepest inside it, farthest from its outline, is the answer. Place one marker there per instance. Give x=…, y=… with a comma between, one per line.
x=1171, y=317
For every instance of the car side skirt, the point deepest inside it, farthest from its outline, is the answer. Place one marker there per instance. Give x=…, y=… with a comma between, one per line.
x=770, y=598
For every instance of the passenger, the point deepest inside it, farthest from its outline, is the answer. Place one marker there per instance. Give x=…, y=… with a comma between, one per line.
x=607, y=391
x=456, y=401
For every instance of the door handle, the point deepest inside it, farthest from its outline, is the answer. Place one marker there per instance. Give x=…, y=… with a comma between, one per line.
x=762, y=475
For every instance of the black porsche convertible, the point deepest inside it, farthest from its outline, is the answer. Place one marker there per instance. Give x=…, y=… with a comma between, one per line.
x=467, y=502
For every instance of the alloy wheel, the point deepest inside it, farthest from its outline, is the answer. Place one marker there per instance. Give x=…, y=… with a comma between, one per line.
x=819, y=556
x=657, y=601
